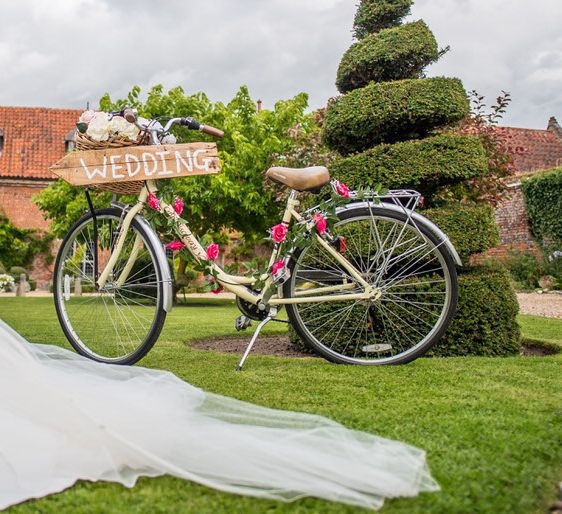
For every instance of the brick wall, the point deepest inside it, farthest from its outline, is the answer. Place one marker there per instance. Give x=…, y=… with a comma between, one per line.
x=16, y=201
x=532, y=151
x=33, y=139
x=513, y=225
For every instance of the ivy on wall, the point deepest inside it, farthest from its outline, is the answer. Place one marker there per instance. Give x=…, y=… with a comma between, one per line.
x=543, y=196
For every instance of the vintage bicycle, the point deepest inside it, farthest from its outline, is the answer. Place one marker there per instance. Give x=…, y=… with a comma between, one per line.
x=379, y=287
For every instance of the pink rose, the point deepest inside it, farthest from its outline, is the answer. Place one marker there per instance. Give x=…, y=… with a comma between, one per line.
x=279, y=232
x=86, y=116
x=343, y=244
x=178, y=206
x=175, y=246
x=277, y=266
x=320, y=223
x=212, y=251
x=218, y=290
x=342, y=189
x=153, y=202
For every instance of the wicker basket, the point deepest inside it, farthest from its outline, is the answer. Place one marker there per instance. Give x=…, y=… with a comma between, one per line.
x=85, y=142
x=119, y=188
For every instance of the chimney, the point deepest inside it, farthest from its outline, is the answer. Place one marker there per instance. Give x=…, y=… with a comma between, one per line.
x=259, y=104
x=553, y=126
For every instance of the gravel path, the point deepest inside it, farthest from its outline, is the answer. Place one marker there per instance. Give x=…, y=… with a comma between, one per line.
x=548, y=305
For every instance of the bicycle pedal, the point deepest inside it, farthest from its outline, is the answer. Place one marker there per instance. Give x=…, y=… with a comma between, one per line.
x=242, y=323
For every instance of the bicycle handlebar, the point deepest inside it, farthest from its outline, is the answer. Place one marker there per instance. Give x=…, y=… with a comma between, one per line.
x=131, y=115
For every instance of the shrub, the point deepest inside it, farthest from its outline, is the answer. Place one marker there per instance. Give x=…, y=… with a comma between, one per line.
x=393, y=111
x=392, y=54
x=471, y=229
x=375, y=15
x=543, y=196
x=423, y=164
x=525, y=269
x=16, y=271
x=482, y=123
x=18, y=246
x=485, y=323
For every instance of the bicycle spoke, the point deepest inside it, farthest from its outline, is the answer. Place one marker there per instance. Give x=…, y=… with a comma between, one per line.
x=111, y=323
x=403, y=264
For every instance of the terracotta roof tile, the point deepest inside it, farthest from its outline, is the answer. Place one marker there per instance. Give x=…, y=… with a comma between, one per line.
x=33, y=140
x=532, y=149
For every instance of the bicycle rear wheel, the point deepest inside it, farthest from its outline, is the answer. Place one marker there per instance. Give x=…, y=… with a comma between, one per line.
x=409, y=264
x=121, y=322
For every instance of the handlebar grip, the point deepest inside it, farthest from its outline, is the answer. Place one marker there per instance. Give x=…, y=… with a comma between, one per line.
x=212, y=131
x=193, y=124
x=190, y=123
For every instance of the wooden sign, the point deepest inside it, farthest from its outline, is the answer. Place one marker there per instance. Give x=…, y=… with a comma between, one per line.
x=133, y=163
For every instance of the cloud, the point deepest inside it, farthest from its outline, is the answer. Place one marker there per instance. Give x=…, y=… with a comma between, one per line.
x=67, y=52
x=512, y=45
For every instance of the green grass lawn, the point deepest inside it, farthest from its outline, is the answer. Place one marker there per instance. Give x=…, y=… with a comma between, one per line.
x=491, y=426
x=537, y=327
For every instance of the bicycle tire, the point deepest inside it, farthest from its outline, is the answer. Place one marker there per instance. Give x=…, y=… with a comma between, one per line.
x=450, y=276
x=70, y=331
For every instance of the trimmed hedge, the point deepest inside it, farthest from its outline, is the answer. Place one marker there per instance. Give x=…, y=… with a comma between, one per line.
x=392, y=54
x=375, y=15
x=485, y=323
x=423, y=164
x=393, y=111
x=471, y=229
x=543, y=196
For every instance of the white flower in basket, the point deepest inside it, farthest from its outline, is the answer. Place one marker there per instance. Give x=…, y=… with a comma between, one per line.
x=169, y=139
x=120, y=127
x=103, y=127
x=98, y=128
x=6, y=283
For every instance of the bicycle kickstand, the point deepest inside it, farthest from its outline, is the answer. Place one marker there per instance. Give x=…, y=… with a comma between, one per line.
x=272, y=313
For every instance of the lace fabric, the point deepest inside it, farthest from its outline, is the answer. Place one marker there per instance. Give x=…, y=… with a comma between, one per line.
x=65, y=418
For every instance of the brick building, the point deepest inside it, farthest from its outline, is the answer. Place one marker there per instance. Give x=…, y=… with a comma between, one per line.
x=533, y=151
x=31, y=139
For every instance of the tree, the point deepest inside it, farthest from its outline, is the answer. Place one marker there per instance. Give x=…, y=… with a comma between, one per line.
x=236, y=199
x=393, y=126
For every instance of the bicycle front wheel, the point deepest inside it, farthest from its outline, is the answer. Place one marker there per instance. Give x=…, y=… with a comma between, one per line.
x=409, y=265
x=119, y=323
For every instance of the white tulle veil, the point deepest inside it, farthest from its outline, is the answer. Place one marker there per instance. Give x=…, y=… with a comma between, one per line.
x=65, y=418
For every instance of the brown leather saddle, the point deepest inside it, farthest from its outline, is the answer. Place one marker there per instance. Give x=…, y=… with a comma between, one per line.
x=300, y=179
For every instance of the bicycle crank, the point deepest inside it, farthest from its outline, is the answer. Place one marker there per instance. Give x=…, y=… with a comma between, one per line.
x=242, y=323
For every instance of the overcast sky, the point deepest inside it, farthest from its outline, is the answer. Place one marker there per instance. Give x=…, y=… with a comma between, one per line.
x=63, y=53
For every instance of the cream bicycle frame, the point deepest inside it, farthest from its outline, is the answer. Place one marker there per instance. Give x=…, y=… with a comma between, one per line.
x=234, y=283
